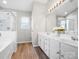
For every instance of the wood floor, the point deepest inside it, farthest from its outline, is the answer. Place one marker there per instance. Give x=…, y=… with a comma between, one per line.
x=40, y=53
x=26, y=51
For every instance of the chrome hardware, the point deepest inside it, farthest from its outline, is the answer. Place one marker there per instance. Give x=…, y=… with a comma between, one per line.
x=0, y=34
x=58, y=52
x=62, y=55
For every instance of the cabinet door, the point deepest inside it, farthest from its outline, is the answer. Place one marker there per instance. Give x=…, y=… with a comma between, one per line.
x=54, y=49
x=43, y=43
x=47, y=46
x=68, y=52
x=39, y=40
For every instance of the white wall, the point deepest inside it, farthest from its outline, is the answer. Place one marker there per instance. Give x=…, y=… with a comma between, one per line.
x=23, y=35
x=38, y=20
x=51, y=22
x=41, y=21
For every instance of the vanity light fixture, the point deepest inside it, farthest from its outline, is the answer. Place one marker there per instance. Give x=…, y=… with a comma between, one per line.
x=62, y=0
x=49, y=10
x=4, y=2
x=66, y=13
x=56, y=4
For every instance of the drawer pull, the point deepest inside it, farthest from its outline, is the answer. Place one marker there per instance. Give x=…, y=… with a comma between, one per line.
x=62, y=55
x=58, y=52
x=0, y=34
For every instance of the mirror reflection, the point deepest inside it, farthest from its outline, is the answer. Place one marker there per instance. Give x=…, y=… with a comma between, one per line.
x=69, y=22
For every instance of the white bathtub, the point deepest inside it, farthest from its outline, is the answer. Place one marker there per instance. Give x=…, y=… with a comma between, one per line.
x=6, y=38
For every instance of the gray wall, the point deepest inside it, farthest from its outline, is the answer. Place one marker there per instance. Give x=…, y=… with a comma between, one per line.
x=23, y=35
x=38, y=20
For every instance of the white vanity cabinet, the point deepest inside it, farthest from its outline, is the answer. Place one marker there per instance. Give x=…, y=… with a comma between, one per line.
x=44, y=43
x=41, y=42
x=47, y=46
x=54, y=48
x=68, y=52
x=60, y=50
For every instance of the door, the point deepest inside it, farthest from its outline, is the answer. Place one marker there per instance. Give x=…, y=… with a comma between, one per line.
x=24, y=29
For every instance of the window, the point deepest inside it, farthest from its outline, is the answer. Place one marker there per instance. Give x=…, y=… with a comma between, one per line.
x=67, y=24
x=62, y=23
x=25, y=22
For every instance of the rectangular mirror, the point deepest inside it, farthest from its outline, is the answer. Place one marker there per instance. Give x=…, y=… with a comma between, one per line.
x=69, y=22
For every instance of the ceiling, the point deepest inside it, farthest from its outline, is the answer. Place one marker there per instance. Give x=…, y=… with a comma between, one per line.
x=23, y=5
x=26, y=5
x=67, y=7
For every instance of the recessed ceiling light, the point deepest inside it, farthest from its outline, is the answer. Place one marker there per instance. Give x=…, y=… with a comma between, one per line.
x=66, y=13
x=4, y=2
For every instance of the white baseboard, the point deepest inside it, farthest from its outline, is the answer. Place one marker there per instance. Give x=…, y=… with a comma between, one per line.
x=25, y=42
x=35, y=46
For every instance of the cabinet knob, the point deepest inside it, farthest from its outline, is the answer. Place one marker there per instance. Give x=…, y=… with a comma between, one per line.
x=0, y=34
x=62, y=55
x=58, y=52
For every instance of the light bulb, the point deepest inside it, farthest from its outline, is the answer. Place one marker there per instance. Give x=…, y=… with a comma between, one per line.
x=66, y=13
x=4, y=2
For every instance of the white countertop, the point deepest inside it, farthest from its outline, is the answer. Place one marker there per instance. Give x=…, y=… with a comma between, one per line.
x=62, y=38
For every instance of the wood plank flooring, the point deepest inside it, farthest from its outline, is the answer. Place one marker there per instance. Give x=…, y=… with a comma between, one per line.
x=26, y=51
x=40, y=53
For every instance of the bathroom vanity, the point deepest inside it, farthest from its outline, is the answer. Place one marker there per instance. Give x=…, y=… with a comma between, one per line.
x=58, y=47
